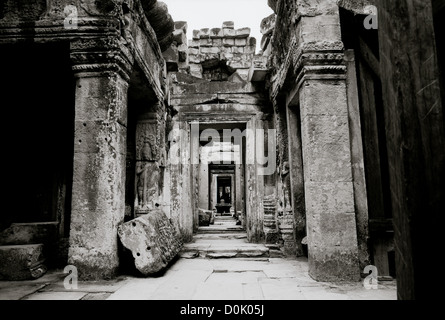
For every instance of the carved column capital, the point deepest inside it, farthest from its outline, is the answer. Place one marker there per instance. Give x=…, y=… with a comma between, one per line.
x=91, y=57
x=319, y=58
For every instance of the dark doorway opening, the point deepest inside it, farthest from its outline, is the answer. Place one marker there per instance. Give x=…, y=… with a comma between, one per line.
x=38, y=95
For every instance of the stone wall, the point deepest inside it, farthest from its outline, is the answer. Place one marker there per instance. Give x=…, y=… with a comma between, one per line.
x=218, y=53
x=115, y=51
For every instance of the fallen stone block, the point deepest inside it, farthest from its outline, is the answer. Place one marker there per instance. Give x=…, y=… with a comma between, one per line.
x=22, y=262
x=152, y=240
x=205, y=217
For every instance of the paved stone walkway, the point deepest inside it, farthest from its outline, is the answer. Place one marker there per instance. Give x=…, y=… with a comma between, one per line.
x=224, y=267
x=204, y=279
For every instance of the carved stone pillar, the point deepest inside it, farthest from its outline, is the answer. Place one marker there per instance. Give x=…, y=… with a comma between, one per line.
x=329, y=192
x=98, y=201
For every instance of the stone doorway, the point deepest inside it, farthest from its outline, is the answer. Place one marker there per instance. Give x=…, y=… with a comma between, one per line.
x=220, y=180
x=38, y=101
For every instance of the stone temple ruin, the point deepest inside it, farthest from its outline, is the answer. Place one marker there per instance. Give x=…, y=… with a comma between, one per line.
x=130, y=120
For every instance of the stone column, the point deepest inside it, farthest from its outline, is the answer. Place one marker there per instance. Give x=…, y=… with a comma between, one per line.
x=254, y=184
x=195, y=173
x=296, y=176
x=329, y=192
x=181, y=180
x=98, y=201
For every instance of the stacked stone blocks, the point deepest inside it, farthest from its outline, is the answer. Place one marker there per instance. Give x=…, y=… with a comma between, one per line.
x=226, y=47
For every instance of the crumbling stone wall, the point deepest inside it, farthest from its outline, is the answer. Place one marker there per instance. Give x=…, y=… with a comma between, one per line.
x=217, y=53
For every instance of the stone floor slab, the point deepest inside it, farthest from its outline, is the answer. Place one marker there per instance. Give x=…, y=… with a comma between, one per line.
x=218, y=291
x=323, y=293
x=138, y=289
x=252, y=291
x=278, y=289
x=19, y=291
x=75, y=295
x=181, y=285
x=236, y=277
x=88, y=286
x=96, y=296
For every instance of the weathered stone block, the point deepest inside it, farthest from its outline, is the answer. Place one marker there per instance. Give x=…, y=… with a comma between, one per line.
x=181, y=25
x=325, y=234
x=242, y=33
x=171, y=54
x=228, y=24
x=228, y=42
x=268, y=24
x=22, y=262
x=238, y=49
x=239, y=64
x=243, y=73
x=327, y=149
x=227, y=49
x=204, y=218
x=196, y=34
x=204, y=33
x=229, y=33
x=329, y=197
x=196, y=70
x=182, y=53
x=249, y=49
x=153, y=241
x=324, y=98
x=195, y=58
x=179, y=37
x=320, y=27
x=29, y=233
x=241, y=42
x=212, y=50
x=217, y=42
x=216, y=33
x=206, y=42
x=226, y=56
x=193, y=43
x=193, y=51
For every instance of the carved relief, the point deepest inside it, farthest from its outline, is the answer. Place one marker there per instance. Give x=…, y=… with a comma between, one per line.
x=285, y=178
x=147, y=146
x=147, y=186
x=147, y=166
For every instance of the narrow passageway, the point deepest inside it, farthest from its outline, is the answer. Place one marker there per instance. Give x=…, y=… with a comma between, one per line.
x=223, y=239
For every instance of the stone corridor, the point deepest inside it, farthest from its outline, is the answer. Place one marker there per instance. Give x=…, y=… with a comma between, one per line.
x=140, y=147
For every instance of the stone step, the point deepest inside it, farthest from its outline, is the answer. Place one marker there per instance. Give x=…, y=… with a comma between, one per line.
x=223, y=249
x=225, y=218
x=30, y=233
x=224, y=235
x=220, y=229
x=22, y=262
x=46, y=233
